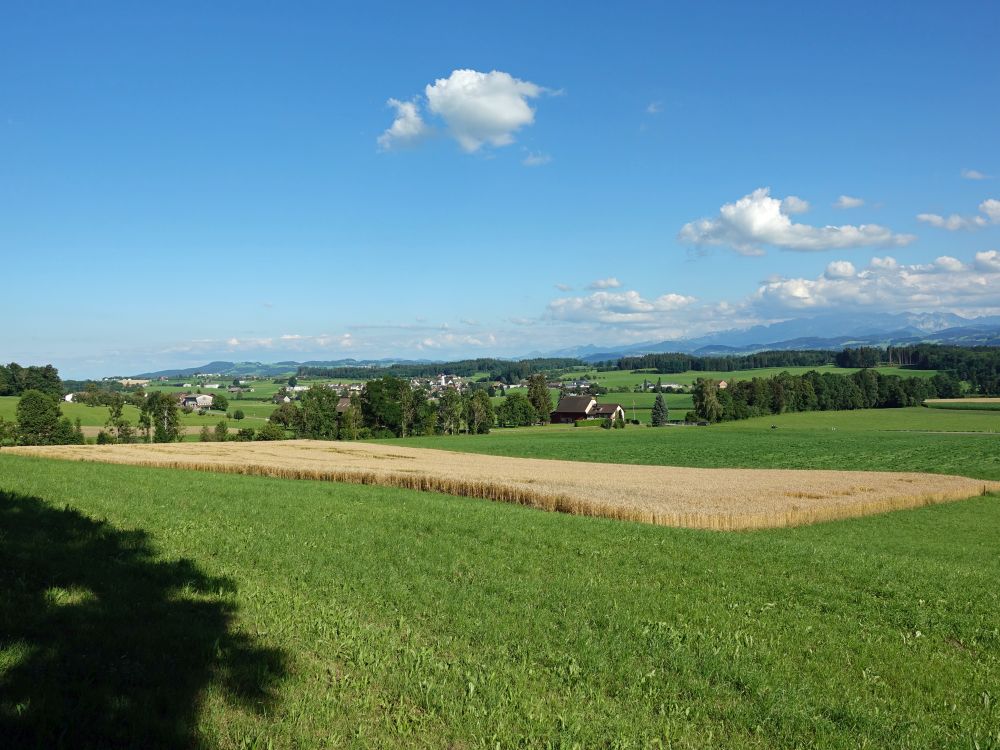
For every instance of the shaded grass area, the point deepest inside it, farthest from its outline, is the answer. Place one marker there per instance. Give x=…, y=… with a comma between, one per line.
x=104, y=643
x=421, y=620
x=914, y=439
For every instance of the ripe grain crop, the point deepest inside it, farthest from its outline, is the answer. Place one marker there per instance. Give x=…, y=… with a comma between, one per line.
x=722, y=499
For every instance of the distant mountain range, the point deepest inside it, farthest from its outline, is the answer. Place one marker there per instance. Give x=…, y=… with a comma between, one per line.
x=265, y=369
x=819, y=332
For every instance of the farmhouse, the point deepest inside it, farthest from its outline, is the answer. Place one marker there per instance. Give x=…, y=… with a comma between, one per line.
x=574, y=408
x=281, y=398
x=343, y=404
x=196, y=401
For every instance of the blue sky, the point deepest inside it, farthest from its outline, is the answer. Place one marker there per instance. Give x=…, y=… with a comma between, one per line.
x=190, y=181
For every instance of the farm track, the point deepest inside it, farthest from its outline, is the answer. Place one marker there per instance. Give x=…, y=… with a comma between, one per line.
x=721, y=499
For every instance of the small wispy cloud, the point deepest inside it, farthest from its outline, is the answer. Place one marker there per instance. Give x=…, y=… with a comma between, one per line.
x=564, y=287
x=849, y=201
x=654, y=108
x=536, y=159
x=974, y=174
x=609, y=283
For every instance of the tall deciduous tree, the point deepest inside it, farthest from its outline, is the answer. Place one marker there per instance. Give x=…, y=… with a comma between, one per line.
x=160, y=418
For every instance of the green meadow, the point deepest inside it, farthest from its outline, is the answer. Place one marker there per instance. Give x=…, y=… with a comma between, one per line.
x=167, y=608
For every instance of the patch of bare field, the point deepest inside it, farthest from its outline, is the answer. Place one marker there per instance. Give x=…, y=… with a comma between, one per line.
x=724, y=499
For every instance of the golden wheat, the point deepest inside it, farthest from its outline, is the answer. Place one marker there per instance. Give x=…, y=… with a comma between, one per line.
x=723, y=499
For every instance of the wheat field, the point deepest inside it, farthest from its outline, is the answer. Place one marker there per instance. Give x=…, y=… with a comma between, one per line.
x=722, y=499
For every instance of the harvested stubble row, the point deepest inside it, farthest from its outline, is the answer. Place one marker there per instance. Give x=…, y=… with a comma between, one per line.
x=725, y=499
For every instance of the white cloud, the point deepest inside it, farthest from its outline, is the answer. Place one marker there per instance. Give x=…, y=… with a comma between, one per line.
x=407, y=129
x=794, y=205
x=757, y=219
x=988, y=261
x=840, y=269
x=536, y=159
x=616, y=307
x=848, y=201
x=974, y=174
x=989, y=214
x=952, y=223
x=564, y=287
x=654, y=108
x=886, y=284
x=482, y=108
x=609, y=283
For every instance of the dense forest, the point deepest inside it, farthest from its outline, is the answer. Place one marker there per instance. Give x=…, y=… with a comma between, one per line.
x=505, y=371
x=978, y=365
x=673, y=362
x=815, y=391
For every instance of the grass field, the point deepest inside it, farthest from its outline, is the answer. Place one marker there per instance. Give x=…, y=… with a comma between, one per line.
x=914, y=439
x=246, y=612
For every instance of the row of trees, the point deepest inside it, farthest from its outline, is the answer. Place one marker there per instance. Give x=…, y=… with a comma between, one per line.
x=505, y=371
x=674, y=362
x=814, y=391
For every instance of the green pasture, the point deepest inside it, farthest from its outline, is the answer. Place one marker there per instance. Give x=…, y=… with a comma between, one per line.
x=166, y=608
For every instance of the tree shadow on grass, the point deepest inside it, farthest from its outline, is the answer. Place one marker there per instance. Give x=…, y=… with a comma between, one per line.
x=104, y=645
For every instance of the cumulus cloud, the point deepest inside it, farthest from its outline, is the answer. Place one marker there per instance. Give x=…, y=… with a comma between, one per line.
x=609, y=283
x=974, y=174
x=848, y=201
x=989, y=213
x=407, y=129
x=988, y=261
x=757, y=220
x=886, y=284
x=482, y=108
x=840, y=269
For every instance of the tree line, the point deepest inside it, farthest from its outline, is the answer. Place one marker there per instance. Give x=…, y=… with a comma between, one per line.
x=815, y=391
x=504, y=371
x=389, y=407
x=675, y=362
x=15, y=380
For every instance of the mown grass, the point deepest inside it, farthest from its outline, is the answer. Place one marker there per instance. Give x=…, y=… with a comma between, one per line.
x=970, y=405
x=914, y=439
x=327, y=615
